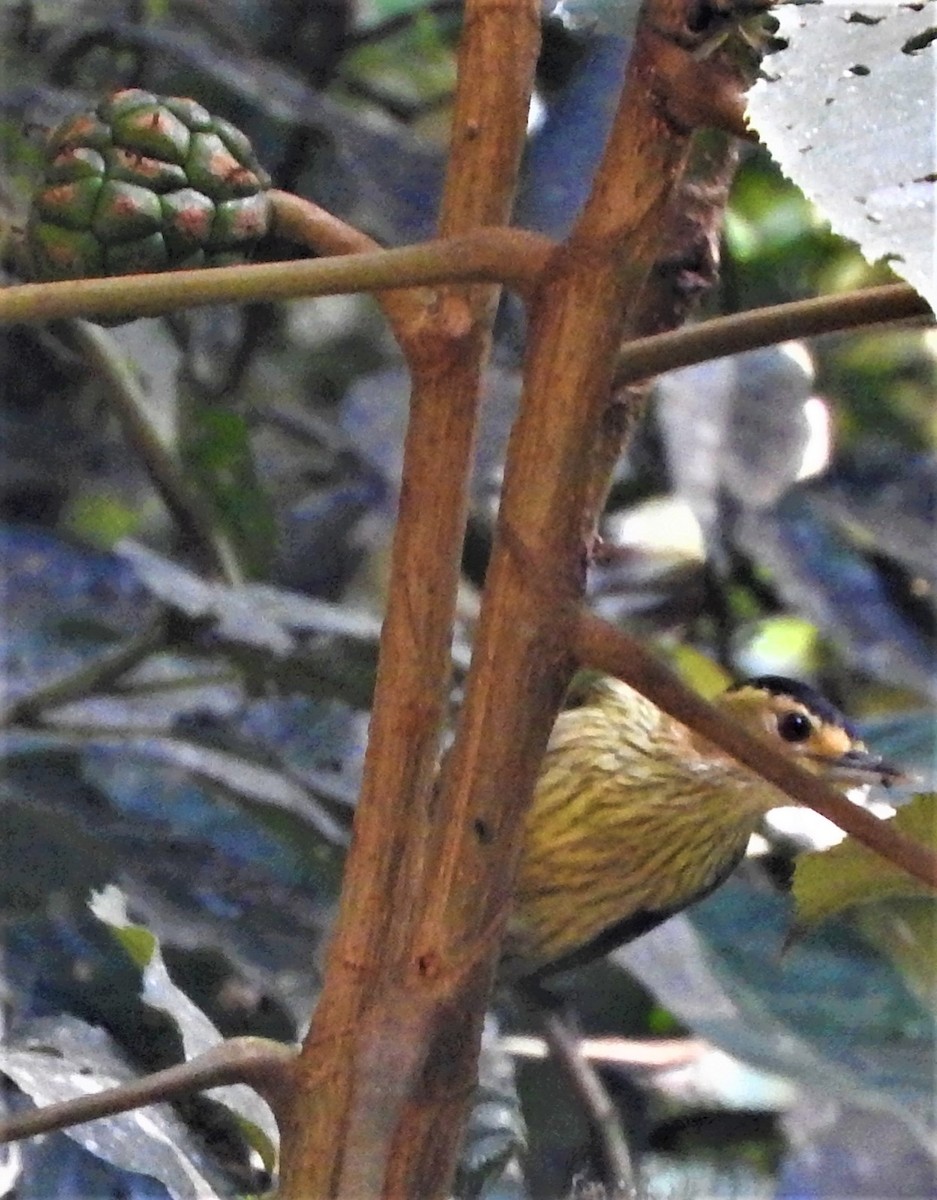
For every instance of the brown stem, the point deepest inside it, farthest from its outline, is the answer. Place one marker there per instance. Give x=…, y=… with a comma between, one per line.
x=606, y=648
x=648, y=356
x=380, y=1098
x=522, y=657
x=308, y=225
x=696, y=98
x=512, y=256
x=262, y=1064
x=598, y=1105
x=472, y=832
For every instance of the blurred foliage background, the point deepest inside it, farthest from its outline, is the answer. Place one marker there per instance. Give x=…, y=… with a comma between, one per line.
x=200, y=745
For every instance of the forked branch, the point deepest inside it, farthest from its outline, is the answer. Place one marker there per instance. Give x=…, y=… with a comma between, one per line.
x=361, y=1122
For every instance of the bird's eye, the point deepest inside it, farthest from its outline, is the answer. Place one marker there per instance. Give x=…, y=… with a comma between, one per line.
x=795, y=727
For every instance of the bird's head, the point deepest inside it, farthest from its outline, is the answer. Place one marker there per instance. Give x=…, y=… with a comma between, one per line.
x=800, y=721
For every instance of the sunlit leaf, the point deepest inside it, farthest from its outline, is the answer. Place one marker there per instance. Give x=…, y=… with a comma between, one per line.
x=101, y=519
x=699, y=670
x=850, y=102
x=195, y=1029
x=67, y=1058
x=781, y=645
x=827, y=882
x=110, y=907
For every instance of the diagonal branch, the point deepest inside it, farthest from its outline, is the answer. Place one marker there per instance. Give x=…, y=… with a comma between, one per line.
x=89, y=676
x=606, y=648
x=262, y=1064
x=161, y=460
x=719, y=336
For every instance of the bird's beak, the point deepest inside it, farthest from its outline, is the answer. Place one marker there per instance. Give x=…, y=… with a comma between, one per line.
x=861, y=766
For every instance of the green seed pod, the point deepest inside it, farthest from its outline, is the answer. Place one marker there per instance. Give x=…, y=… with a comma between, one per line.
x=145, y=183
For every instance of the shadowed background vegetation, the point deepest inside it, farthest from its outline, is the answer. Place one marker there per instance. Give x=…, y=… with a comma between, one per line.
x=200, y=746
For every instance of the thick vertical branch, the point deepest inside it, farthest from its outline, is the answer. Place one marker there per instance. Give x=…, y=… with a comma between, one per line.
x=363, y=1059
x=522, y=656
x=535, y=576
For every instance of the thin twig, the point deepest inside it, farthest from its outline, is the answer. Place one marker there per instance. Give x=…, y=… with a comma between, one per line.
x=129, y=403
x=174, y=683
x=606, y=648
x=511, y=256
x=263, y=1064
x=648, y=356
x=593, y=1096
x=91, y=676
x=649, y=1054
x=306, y=224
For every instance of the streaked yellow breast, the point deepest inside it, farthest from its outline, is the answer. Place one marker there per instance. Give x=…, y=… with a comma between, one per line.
x=627, y=817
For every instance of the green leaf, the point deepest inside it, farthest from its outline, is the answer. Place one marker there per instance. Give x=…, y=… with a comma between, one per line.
x=101, y=519
x=828, y=882
x=110, y=907
x=214, y=445
x=895, y=913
